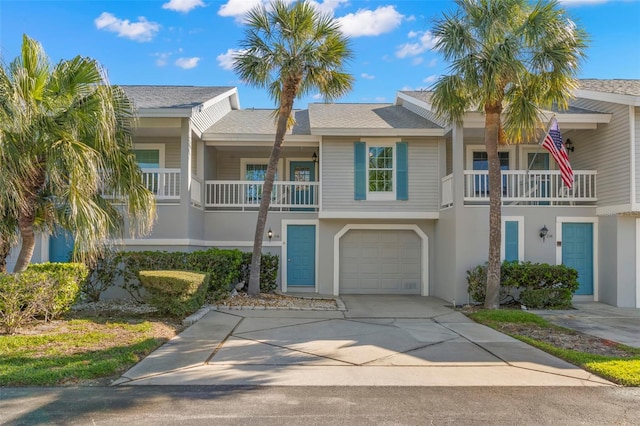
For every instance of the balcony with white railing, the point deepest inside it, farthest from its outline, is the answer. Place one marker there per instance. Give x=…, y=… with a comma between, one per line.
x=247, y=195
x=163, y=183
x=526, y=187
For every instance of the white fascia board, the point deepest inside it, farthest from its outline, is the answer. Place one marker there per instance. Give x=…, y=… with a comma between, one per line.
x=165, y=112
x=232, y=93
x=412, y=100
x=258, y=140
x=609, y=97
x=377, y=215
x=369, y=132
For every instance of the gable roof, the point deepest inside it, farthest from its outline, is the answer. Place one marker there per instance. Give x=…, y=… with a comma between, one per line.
x=625, y=92
x=369, y=120
x=255, y=123
x=176, y=101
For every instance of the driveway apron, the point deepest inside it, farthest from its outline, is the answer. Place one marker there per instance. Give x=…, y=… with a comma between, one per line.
x=376, y=340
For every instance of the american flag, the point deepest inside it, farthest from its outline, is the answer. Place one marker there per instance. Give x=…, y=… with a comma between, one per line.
x=553, y=143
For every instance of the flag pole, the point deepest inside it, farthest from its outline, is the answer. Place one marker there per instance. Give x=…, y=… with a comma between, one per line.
x=544, y=135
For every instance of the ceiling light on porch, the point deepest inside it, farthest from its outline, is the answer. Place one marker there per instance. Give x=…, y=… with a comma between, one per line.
x=314, y=157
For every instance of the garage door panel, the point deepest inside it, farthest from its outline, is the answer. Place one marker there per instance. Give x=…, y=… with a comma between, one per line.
x=380, y=262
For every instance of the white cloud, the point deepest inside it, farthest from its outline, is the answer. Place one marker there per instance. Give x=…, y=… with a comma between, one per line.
x=417, y=60
x=380, y=99
x=328, y=6
x=238, y=8
x=225, y=60
x=187, y=63
x=182, y=5
x=430, y=79
x=370, y=22
x=432, y=63
x=367, y=76
x=425, y=41
x=317, y=96
x=142, y=30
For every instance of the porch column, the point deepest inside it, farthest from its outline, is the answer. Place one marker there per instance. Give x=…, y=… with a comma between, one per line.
x=457, y=160
x=185, y=164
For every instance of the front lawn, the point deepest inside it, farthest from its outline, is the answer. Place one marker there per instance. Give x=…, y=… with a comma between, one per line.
x=84, y=350
x=610, y=360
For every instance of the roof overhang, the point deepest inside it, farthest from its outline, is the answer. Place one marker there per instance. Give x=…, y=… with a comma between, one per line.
x=376, y=132
x=608, y=97
x=229, y=139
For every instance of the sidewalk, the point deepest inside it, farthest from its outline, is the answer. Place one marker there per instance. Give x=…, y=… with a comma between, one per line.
x=620, y=325
x=376, y=341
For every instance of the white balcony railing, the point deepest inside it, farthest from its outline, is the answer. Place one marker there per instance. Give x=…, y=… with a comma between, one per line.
x=532, y=186
x=248, y=194
x=163, y=183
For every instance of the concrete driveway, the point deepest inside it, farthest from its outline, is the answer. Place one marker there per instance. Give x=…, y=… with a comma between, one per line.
x=376, y=340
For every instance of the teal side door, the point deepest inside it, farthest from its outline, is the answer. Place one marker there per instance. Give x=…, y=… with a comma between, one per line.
x=301, y=194
x=60, y=247
x=301, y=255
x=577, y=252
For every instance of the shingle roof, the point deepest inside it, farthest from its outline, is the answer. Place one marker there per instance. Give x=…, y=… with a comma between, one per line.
x=257, y=122
x=421, y=95
x=366, y=116
x=157, y=97
x=618, y=87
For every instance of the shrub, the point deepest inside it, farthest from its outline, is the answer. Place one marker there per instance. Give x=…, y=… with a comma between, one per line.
x=104, y=272
x=535, y=285
x=44, y=290
x=17, y=293
x=59, y=286
x=178, y=293
x=268, y=271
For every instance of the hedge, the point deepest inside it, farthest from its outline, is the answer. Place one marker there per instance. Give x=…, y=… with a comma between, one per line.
x=44, y=290
x=534, y=285
x=226, y=267
x=179, y=293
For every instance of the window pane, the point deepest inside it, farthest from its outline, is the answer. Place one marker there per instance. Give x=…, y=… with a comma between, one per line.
x=381, y=169
x=255, y=172
x=147, y=158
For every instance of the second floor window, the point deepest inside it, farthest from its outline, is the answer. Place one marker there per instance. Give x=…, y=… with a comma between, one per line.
x=381, y=170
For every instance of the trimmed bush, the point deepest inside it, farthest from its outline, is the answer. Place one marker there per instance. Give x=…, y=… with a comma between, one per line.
x=535, y=285
x=44, y=290
x=179, y=293
x=59, y=286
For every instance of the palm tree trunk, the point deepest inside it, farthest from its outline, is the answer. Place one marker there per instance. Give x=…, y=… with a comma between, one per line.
x=492, y=130
x=256, y=258
x=26, y=219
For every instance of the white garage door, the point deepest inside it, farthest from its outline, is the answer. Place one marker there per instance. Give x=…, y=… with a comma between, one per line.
x=380, y=262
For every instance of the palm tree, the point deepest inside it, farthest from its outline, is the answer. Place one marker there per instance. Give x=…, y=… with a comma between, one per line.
x=65, y=135
x=289, y=49
x=509, y=59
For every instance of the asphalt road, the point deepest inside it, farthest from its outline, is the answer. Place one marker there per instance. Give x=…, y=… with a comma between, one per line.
x=319, y=405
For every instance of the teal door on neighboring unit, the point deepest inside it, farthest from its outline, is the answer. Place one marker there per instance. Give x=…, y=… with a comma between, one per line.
x=60, y=247
x=302, y=194
x=301, y=255
x=577, y=252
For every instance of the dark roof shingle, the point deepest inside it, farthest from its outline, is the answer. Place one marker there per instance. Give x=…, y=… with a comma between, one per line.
x=181, y=97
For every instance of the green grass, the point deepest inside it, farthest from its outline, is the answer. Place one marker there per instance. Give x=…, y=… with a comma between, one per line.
x=78, y=350
x=624, y=371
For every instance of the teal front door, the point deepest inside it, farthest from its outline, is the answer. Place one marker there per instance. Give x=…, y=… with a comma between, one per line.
x=302, y=194
x=577, y=252
x=301, y=255
x=60, y=247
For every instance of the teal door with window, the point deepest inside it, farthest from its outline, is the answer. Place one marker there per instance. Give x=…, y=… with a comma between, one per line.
x=577, y=252
x=301, y=255
x=301, y=193
x=60, y=247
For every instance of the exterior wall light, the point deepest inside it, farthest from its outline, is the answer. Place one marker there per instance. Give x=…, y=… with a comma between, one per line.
x=314, y=157
x=543, y=232
x=270, y=234
x=569, y=145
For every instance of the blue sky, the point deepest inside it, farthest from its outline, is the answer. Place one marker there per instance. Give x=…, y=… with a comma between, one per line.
x=190, y=42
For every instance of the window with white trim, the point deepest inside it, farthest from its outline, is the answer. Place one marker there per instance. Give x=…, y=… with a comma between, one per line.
x=381, y=172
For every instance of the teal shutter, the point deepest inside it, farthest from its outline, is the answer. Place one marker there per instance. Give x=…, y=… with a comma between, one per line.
x=360, y=168
x=511, y=240
x=402, y=171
